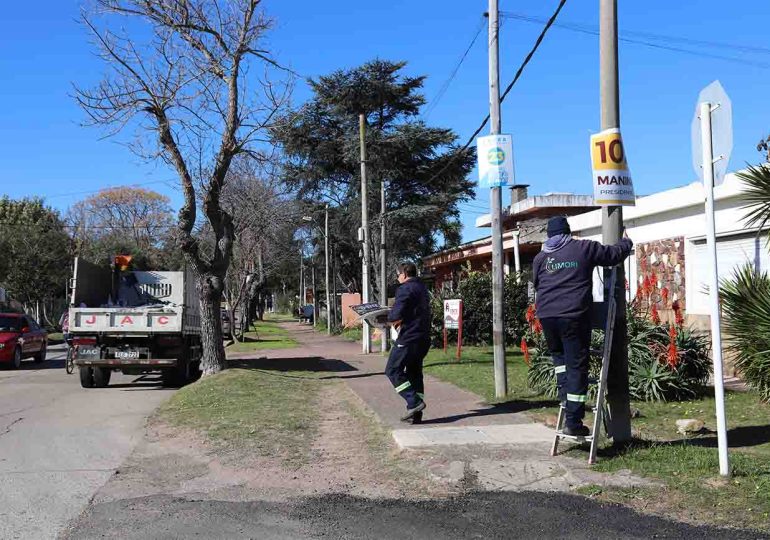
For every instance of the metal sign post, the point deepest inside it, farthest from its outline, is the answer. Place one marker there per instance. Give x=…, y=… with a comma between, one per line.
x=708, y=143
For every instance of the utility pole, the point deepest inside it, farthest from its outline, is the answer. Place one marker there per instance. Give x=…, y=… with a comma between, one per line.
x=363, y=234
x=301, y=299
x=383, y=265
x=326, y=256
x=612, y=227
x=315, y=302
x=496, y=201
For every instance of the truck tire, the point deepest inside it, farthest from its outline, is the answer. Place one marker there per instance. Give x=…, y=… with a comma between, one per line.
x=102, y=377
x=177, y=376
x=86, y=376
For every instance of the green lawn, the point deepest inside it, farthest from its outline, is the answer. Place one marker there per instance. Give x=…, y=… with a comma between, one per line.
x=265, y=334
x=262, y=412
x=689, y=468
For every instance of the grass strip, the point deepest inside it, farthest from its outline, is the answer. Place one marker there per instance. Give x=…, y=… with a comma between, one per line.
x=267, y=413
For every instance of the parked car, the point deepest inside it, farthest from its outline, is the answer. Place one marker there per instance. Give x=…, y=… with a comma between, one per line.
x=21, y=337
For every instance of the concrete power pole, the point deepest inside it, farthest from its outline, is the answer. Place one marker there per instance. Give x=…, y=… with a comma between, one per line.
x=496, y=201
x=612, y=226
x=364, y=233
x=383, y=265
x=326, y=256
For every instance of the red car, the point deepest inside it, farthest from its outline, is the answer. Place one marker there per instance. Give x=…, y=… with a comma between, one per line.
x=21, y=337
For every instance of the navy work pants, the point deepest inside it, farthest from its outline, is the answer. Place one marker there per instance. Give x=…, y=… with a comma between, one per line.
x=404, y=369
x=569, y=341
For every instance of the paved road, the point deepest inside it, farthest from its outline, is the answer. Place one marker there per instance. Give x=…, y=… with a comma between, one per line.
x=60, y=443
x=477, y=515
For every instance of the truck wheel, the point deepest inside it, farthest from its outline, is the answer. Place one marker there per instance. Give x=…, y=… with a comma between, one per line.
x=16, y=362
x=86, y=376
x=102, y=377
x=168, y=377
x=40, y=356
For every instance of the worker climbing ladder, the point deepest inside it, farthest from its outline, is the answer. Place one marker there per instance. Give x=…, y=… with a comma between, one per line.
x=601, y=414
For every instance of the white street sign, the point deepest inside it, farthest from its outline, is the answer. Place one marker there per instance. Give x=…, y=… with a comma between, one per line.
x=721, y=131
x=612, y=178
x=495, y=159
x=452, y=313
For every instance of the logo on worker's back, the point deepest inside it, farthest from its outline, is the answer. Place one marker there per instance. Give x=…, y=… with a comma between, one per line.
x=551, y=265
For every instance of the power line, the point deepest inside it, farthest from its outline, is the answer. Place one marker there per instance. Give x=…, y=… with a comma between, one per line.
x=516, y=77
x=648, y=39
x=445, y=86
x=73, y=193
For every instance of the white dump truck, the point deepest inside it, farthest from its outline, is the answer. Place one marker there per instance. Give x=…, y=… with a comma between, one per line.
x=135, y=322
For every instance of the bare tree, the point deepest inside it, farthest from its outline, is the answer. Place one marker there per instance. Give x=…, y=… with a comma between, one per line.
x=262, y=214
x=189, y=87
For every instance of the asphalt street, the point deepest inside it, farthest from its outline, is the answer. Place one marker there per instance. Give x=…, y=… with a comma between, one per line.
x=59, y=443
x=503, y=515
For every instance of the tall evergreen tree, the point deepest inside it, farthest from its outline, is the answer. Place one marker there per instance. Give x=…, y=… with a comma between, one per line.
x=424, y=170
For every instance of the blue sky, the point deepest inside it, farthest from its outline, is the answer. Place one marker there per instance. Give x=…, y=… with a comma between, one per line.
x=551, y=112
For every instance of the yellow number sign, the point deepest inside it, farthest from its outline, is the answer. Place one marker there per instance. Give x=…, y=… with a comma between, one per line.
x=612, y=178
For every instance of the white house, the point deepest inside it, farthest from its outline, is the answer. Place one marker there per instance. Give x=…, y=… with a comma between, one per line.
x=669, y=233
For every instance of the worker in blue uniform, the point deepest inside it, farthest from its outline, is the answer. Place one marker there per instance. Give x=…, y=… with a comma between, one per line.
x=410, y=315
x=563, y=278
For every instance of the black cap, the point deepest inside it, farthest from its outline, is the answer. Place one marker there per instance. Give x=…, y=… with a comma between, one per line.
x=557, y=225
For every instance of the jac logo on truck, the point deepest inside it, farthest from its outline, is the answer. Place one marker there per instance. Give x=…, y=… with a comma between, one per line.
x=91, y=320
x=126, y=320
x=163, y=320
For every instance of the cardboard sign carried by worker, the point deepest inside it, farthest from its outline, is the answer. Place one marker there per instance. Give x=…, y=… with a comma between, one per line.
x=612, y=178
x=372, y=313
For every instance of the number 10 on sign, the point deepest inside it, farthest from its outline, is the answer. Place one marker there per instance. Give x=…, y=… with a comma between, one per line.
x=612, y=178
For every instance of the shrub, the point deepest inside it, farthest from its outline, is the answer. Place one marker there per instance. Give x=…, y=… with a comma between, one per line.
x=746, y=307
x=475, y=290
x=664, y=362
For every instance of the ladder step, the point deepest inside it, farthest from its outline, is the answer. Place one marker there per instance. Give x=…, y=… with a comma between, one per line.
x=577, y=438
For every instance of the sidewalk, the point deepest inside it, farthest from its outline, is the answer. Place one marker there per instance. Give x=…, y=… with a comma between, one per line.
x=461, y=437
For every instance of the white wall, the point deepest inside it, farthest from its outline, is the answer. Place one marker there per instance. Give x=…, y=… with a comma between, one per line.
x=680, y=212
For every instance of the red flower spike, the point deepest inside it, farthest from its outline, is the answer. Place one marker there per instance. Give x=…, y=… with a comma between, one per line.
x=672, y=333
x=672, y=357
x=530, y=316
x=537, y=327
x=654, y=279
x=654, y=315
x=679, y=316
x=664, y=294
x=525, y=350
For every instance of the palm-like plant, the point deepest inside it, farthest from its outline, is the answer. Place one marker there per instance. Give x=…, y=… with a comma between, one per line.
x=746, y=296
x=746, y=307
x=756, y=180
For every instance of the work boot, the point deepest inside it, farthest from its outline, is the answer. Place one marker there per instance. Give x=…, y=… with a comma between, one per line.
x=414, y=410
x=417, y=418
x=577, y=431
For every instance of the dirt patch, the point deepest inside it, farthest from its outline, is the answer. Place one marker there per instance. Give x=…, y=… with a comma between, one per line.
x=349, y=454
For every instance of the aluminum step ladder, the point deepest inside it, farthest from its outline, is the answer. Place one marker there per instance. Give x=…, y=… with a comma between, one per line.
x=601, y=412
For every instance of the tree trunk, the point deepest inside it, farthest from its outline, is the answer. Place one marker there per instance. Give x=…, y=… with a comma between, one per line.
x=210, y=291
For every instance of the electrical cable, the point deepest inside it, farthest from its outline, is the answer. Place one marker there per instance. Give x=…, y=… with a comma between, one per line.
x=594, y=31
x=508, y=88
x=445, y=86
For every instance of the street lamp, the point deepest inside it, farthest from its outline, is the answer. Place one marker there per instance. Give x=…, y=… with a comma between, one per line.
x=309, y=219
